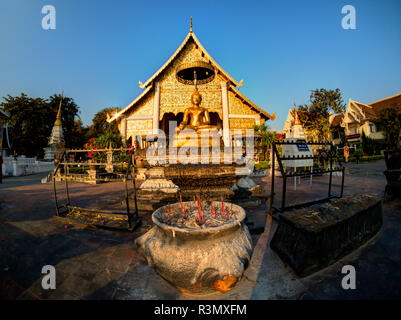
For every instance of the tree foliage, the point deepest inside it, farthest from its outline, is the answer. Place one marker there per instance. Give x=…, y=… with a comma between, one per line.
x=267, y=138
x=100, y=125
x=315, y=115
x=78, y=136
x=32, y=119
x=390, y=120
x=370, y=146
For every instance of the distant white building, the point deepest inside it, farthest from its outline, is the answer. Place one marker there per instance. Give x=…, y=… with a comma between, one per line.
x=364, y=118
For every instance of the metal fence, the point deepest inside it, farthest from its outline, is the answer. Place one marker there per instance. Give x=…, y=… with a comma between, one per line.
x=126, y=220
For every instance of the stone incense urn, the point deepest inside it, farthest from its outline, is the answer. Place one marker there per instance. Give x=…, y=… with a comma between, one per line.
x=199, y=251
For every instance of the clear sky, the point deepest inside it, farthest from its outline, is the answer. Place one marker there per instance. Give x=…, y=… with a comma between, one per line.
x=282, y=49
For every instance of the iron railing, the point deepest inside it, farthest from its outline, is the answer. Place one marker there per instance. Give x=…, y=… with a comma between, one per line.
x=98, y=217
x=328, y=156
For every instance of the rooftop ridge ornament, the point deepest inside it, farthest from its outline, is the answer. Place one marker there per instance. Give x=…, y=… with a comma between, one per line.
x=190, y=29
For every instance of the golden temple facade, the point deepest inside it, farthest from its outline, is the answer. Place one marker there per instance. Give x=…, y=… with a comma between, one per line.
x=165, y=97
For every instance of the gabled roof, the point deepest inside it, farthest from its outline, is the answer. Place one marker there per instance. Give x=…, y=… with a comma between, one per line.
x=364, y=108
x=189, y=36
x=372, y=111
x=393, y=101
x=336, y=120
x=231, y=85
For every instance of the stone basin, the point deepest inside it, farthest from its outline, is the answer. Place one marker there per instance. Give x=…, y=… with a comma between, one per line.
x=198, y=261
x=311, y=238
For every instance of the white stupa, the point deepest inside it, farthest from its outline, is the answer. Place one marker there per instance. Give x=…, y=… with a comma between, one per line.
x=56, y=136
x=297, y=134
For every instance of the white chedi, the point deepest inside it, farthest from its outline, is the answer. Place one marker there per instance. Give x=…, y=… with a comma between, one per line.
x=297, y=134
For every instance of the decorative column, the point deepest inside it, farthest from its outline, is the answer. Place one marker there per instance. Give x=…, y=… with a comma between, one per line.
x=109, y=155
x=226, y=122
x=156, y=108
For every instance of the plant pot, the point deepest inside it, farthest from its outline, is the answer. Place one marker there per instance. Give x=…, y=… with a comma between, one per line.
x=198, y=261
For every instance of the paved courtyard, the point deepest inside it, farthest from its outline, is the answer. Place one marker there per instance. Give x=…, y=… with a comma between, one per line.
x=99, y=264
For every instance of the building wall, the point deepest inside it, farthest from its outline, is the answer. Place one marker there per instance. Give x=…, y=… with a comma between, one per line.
x=24, y=166
x=352, y=128
x=139, y=121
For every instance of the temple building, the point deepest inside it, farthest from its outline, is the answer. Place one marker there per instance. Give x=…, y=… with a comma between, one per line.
x=168, y=94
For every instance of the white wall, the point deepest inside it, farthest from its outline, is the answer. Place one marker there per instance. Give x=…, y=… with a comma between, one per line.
x=24, y=166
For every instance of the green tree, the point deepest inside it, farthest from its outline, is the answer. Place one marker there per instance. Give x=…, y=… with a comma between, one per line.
x=370, y=146
x=315, y=115
x=267, y=138
x=27, y=124
x=32, y=119
x=390, y=120
x=100, y=125
x=78, y=135
x=104, y=141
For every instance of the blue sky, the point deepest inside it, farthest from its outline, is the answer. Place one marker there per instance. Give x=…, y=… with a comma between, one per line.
x=282, y=49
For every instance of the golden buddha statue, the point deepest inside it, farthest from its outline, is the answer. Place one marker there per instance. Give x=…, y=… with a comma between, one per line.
x=195, y=117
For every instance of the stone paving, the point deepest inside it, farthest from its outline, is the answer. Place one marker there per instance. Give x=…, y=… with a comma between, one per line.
x=100, y=264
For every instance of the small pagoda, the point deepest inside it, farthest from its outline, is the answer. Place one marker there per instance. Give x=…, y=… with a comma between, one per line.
x=56, y=140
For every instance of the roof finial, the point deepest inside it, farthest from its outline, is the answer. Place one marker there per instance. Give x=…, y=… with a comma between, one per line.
x=190, y=30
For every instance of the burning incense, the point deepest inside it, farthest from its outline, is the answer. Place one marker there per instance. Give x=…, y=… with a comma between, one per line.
x=199, y=209
x=182, y=208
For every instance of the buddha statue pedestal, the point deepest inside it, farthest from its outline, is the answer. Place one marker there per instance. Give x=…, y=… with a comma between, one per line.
x=197, y=145
x=208, y=137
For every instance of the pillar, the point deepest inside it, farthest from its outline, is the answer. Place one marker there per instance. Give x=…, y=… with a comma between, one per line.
x=226, y=122
x=156, y=108
x=124, y=129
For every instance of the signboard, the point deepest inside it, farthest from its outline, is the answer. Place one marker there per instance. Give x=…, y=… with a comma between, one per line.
x=302, y=147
